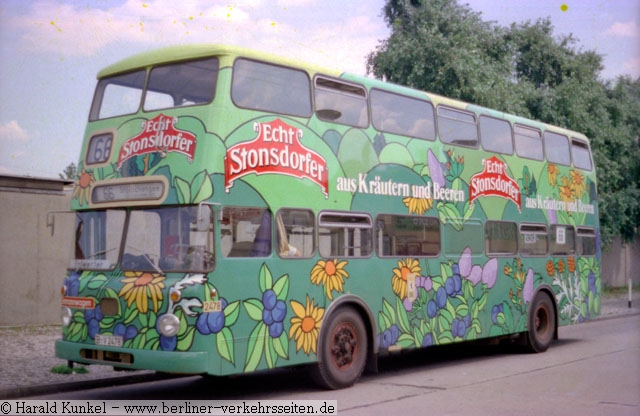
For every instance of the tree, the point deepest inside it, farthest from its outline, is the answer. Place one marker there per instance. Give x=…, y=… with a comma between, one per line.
x=446, y=48
x=69, y=172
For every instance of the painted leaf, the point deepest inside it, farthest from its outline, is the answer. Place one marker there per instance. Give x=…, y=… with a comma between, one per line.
x=281, y=345
x=231, y=313
x=281, y=287
x=270, y=353
x=254, y=309
x=183, y=190
x=265, y=279
x=201, y=187
x=185, y=341
x=403, y=320
x=223, y=339
x=255, y=347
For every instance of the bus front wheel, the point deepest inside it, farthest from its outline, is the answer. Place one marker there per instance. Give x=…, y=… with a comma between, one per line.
x=541, y=323
x=342, y=350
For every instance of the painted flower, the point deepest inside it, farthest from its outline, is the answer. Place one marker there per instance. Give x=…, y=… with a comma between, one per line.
x=527, y=291
x=578, y=185
x=82, y=190
x=566, y=193
x=418, y=205
x=553, y=171
x=400, y=274
x=560, y=266
x=330, y=274
x=551, y=268
x=139, y=287
x=571, y=264
x=305, y=325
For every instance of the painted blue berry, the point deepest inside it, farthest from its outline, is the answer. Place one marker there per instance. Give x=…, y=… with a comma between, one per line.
x=215, y=321
x=275, y=329
x=427, y=341
x=432, y=309
x=279, y=311
x=395, y=333
x=269, y=299
x=456, y=269
x=93, y=328
x=441, y=297
x=201, y=324
x=119, y=330
x=450, y=286
x=462, y=328
x=267, y=316
x=168, y=343
x=457, y=283
x=131, y=332
x=497, y=309
x=386, y=339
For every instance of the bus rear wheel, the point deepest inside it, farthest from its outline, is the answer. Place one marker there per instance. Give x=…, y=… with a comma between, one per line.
x=342, y=350
x=541, y=323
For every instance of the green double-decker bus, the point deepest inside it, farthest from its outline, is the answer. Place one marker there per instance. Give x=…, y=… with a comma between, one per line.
x=236, y=211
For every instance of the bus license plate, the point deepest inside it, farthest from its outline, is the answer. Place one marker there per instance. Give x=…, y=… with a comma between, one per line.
x=108, y=340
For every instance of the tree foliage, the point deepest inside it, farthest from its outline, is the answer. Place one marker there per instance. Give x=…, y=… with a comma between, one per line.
x=446, y=48
x=69, y=172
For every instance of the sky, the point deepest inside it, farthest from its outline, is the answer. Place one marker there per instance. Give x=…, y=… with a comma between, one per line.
x=51, y=50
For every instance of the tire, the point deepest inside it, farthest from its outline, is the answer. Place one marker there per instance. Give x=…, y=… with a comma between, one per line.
x=342, y=350
x=541, y=323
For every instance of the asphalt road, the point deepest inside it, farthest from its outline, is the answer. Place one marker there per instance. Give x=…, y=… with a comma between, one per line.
x=594, y=369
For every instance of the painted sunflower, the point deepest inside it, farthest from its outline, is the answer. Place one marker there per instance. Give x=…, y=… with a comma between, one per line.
x=399, y=279
x=418, y=205
x=330, y=274
x=139, y=287
x=82, y=190
x=305, y=325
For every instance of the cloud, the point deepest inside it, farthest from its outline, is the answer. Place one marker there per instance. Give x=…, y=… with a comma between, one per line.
x=12, y=132
x=624, y=29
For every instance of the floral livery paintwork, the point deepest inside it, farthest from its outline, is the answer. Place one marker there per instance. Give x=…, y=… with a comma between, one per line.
x=444, y=309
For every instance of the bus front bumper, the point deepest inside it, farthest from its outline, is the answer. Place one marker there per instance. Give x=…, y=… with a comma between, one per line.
x=163, y=361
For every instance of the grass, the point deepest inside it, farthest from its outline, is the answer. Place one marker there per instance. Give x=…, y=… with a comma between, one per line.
x=65, y=369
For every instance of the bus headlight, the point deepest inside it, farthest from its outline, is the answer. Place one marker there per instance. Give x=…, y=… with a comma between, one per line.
x=168, y=325
x=65, y=315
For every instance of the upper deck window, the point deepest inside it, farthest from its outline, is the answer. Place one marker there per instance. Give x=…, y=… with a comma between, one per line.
x=340, y=102
x=581, y=154
x=174, y=85
x=457, y=127
x=182, y=84
x=402, y=115
x=495, y=135
x=557, y=148
x=528, y=142
x=273, y=88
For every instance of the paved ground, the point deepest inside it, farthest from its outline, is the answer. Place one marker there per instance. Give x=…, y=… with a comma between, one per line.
x=27, y=357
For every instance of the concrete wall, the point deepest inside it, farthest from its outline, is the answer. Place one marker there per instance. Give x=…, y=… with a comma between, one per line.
x=621, y=263
x=32, y=262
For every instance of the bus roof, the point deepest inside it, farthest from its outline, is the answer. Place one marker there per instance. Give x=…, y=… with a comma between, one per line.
x=195, y=51
x=177, y=53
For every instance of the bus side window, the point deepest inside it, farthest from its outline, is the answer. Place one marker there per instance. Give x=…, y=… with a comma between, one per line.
x=495, y=135
x=500, y=238
x=562, y=240
x=267, y=87
x=246, y=232
x=586, y=241
x=407, y=235
x=340, y=102
x=534, y=240
x=295, y=230
x=581, y=155
x=457, y=127
x=557, y=148
x=344, y=234
x=402, y=115
x=528, y=142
